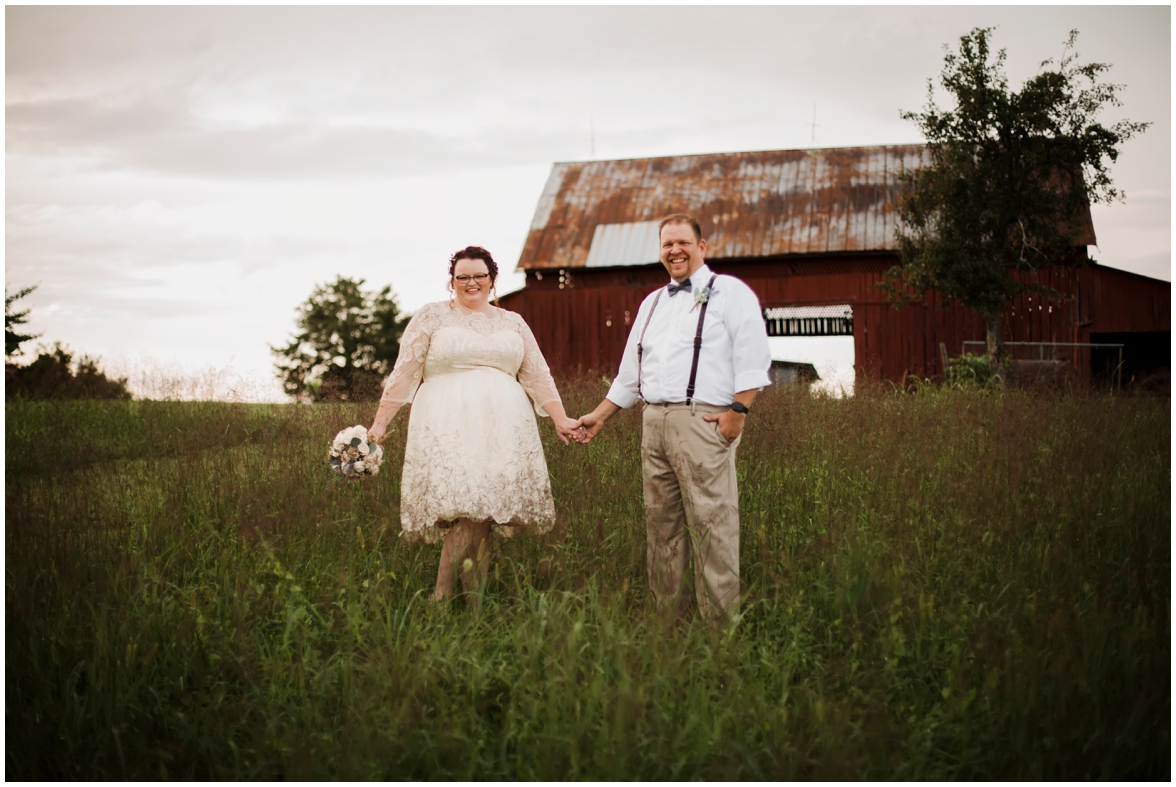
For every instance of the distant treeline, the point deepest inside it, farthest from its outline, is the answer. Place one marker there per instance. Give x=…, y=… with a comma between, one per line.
x=55, y=375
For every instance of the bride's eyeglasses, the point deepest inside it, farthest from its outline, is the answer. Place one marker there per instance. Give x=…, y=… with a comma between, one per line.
x=478, y=277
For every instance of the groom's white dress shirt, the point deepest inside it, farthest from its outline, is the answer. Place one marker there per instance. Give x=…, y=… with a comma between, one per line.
x=734, y=357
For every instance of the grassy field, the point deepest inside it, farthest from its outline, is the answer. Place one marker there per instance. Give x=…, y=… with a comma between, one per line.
x=944, y=585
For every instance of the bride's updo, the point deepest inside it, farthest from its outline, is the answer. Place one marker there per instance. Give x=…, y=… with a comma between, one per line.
x=474, y=253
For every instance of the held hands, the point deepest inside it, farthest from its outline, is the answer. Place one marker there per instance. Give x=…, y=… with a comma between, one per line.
x=578, y=429
x=591, y=424
x=376, y=433
x=566, y=428
x=588, y=427
x=582, y=429
x=730, y=423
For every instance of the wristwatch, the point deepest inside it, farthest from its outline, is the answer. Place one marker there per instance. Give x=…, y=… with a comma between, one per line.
x=740, y=407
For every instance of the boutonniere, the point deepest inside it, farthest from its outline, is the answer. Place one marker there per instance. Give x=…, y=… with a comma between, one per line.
x=701, y=295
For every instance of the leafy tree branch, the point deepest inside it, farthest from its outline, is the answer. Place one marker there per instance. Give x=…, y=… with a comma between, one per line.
x=12, y=338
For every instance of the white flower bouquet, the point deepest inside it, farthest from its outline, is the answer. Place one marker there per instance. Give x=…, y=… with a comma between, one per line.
x=352, y=455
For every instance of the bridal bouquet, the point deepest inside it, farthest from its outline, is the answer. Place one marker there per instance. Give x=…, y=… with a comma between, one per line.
x=352, y=456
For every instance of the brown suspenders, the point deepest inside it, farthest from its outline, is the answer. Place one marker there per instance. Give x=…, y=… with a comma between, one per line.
x=697, y=341
x=641, y=339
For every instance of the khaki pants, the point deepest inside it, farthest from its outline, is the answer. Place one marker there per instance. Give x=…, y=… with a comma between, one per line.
x=691, y=507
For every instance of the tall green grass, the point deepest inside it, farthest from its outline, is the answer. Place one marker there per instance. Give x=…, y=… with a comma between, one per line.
x=943, y=585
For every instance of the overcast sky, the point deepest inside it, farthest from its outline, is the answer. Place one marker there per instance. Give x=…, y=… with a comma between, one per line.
x=178, y=179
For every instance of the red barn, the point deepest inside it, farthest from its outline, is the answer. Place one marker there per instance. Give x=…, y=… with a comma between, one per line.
x=812, y=232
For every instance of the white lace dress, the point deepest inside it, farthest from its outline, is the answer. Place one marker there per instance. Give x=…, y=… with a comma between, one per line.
x=473, y=447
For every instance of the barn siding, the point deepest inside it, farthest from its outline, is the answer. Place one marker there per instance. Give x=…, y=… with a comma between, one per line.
x=572, y=324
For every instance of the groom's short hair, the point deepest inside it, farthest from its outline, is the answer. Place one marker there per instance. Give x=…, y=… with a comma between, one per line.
x=681, y=218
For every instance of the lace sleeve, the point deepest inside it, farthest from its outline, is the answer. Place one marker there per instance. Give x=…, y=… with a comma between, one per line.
x=402, y=384
x=534, y=375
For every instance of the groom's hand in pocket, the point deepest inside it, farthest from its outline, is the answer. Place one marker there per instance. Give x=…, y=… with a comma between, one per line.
x=730, y=424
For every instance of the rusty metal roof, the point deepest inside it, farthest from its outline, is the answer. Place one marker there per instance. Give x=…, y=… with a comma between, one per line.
x=755, y=204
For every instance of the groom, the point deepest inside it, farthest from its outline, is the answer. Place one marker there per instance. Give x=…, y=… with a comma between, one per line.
x=697, y=354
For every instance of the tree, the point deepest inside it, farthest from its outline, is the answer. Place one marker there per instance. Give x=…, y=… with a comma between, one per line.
x=1010, y=179
x=12, y=339
x=54, y=375
x=347, y=342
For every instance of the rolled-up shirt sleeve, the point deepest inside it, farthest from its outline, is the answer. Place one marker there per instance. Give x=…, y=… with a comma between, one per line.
x=749, y=340
x=623, y=391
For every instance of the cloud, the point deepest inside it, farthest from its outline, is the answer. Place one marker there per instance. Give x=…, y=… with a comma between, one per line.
x=159, y=134
x=164, y=135
x=155, y=308
x=286, y=93
x=383, y=93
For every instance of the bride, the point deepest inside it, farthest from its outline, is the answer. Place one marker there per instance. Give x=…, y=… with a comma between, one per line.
x=473, y=462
